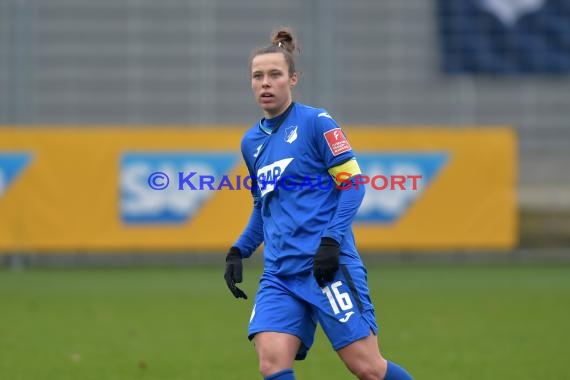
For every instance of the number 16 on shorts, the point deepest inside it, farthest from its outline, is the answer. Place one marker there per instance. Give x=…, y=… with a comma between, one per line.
x=339, y=301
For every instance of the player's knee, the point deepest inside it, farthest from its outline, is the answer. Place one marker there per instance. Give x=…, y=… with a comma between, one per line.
x=369, y=370
x=270, y=364
x=368, y=373
x=275, y=352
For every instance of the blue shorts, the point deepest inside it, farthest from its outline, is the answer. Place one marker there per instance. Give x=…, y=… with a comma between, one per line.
x=294, y=305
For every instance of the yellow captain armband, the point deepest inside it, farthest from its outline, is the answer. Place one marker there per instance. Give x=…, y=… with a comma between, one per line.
x=345, y=171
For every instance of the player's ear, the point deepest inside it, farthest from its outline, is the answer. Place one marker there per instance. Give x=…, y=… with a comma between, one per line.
x=293, y=80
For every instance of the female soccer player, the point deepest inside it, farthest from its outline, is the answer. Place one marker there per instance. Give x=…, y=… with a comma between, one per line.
x=312, y=270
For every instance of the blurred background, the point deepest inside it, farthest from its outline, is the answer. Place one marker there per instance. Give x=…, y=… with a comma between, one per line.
x=473, y=94
x=392, y=63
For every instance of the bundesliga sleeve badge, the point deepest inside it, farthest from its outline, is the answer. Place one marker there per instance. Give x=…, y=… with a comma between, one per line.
x=337, y=141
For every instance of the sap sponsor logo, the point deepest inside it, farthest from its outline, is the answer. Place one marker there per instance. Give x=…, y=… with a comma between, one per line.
x=11, y=166
x=388, y=206
x=268, y=175
x=141, y=204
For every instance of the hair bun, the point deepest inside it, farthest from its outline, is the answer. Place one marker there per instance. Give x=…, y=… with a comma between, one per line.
x=284, y=38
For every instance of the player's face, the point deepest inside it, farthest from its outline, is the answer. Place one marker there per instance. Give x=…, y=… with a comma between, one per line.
x=271, y=83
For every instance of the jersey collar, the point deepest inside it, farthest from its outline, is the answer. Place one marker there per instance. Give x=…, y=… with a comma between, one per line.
x=272, y=125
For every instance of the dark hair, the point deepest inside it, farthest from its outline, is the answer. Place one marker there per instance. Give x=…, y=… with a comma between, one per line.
x=282, y=41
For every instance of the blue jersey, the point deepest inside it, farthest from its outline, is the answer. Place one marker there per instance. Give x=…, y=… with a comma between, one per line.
x=298, y=199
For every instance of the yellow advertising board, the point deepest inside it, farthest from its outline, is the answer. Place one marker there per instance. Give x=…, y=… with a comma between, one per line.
x=91, y=188
x=469, y=202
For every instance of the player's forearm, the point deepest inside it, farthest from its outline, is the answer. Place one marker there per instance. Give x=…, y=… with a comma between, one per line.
x=252, y=236
x=348, y=203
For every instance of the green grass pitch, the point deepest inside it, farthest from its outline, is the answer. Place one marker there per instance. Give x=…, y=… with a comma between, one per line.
x=439, y=321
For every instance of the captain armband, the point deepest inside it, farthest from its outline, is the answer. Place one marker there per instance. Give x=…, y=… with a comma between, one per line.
x=342, y=172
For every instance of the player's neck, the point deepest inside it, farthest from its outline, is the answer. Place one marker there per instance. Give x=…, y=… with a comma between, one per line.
x=272, y=115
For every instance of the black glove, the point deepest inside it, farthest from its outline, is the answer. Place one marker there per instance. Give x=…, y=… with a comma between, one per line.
x=326, y=261
x=234, y=271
